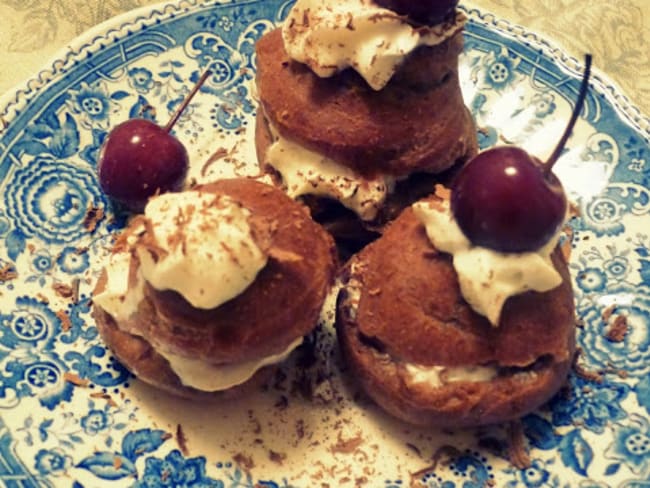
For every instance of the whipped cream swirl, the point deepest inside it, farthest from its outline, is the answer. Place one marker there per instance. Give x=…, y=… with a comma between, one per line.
x=199, y=245
x=487, y=278
x=330, y=36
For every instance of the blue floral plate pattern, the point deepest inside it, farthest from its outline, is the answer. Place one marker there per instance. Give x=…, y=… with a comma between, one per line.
x=71, y=416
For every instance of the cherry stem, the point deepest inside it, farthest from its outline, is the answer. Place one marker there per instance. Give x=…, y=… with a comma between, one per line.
x=187, y=100
x=582, y=94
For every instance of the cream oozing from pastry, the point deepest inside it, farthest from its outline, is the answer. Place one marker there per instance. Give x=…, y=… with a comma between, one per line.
x=330, y=36
x=203, y=247
x=487, y=277
x=305, y=172
x=121, y=297
x=436, y=376
x=203, y=376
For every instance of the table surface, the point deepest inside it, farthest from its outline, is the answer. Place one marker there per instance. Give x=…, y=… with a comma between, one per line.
x=616, y=32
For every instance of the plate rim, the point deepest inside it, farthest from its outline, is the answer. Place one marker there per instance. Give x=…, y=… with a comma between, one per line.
x=89, y=41
x=619, y=98
x=132, y=18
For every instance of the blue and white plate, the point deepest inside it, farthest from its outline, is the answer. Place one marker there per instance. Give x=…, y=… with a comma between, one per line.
x=71, y=416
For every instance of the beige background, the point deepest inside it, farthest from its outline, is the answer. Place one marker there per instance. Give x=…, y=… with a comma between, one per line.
x=617, y=32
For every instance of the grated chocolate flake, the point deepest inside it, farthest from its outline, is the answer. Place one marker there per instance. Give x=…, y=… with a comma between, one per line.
x=444, y=455
x=7, y=273
x=94, y=215
x=277, y=457
x=220, y=153
x=608, y=312
x=617, y=331
x=181, y=440
x=63, y=290
x=66, y=323
x=517, y=452
x=75, y=379
x=244, y=461
x=104, y=396
x=346, y=446
x=584, y=373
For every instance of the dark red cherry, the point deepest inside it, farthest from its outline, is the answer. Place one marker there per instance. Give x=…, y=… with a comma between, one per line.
x=507, y=200
x=503, y=200
x=139, y=159
x=428, y=12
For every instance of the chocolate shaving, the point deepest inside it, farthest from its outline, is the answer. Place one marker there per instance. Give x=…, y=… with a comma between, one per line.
x=583, y=373
x=93, y=216
x=66, y=323
x=148, y=242
x=350, y=23
x=181, y=440
x=346, y=446
x=300, y=428
x=7, y=273
x=414, y=448
x=75, y=379
x=277, y=457
x=63, y=290
x=608, y=312
x=75, y=290
x=617, y=331
x=517, y=452
x=104, y=396
x=448, y=452
x=221, y=153
x=262, y=230
x=244, y=461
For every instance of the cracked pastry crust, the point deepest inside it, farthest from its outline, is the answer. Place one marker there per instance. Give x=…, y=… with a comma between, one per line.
x=401, y=305
x=280, y=306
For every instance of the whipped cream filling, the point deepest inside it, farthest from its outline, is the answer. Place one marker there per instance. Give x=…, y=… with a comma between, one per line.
x=487, y=277
x=121, y=298
x=305, y=172
x=330, y=36
x=200, y=375
x=436, y=376
x=203, y=247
